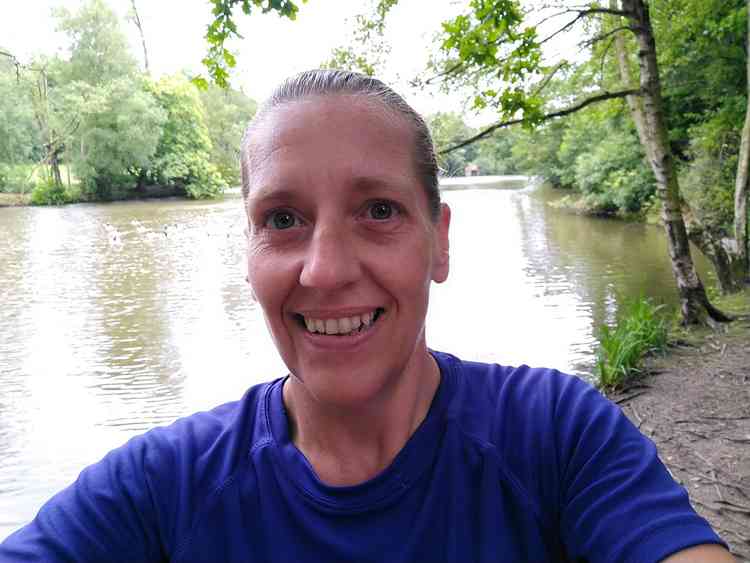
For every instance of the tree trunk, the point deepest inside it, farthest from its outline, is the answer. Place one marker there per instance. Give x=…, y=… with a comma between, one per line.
x=694, y=303
x=635, y=103
x=137, y=21
x=40, y=102
x=742, y=180
x=723, y=259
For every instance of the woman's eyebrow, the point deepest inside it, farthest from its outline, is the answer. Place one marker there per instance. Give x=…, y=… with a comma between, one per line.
x=378, y=183
x=266, y=195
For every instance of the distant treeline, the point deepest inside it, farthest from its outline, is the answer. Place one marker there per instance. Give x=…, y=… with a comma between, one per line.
x=90, y=125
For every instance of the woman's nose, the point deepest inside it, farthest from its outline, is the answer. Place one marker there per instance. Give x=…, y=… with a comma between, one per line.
x=331, y=259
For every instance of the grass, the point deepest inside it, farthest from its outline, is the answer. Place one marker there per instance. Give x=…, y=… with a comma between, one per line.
x=640, y=330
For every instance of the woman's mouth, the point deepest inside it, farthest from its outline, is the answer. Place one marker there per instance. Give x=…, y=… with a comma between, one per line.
x=345, y=326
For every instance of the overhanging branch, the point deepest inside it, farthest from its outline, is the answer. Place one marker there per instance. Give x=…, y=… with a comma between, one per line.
x=603, y=36
x=560, y=113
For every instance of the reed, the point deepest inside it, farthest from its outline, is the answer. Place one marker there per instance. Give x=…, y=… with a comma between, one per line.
x=640, y=330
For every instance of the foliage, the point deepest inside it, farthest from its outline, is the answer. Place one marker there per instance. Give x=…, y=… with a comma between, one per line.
x=495, y=155
x=367, y=50
x=492, y=41
x=16, y=178
x=227, y=114
x=19, y=139
x=91, y=112
x=48, y=193
x=183, y=155
x=705, y=89
x=536, y=153
x=612, y=174
x=708, y=176
x=219, y=59
x=120, y=126
x=640, y=330
x=98, y=47
x=447, y=129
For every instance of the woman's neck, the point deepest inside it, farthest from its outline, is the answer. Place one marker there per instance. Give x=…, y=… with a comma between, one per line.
x=347, y=446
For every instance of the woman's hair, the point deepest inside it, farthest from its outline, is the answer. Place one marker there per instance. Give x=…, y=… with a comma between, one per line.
x=332, y=82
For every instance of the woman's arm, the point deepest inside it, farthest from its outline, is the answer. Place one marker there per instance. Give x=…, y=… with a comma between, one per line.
x=701, y=554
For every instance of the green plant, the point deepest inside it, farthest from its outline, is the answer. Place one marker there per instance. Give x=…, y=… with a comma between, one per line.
x=641, y=329
x=47, y=193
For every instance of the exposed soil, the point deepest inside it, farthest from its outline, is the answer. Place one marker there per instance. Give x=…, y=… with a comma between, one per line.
x=12, y=200
x=694, y=403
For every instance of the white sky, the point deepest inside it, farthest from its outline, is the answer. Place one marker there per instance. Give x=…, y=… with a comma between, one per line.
x=272, y=48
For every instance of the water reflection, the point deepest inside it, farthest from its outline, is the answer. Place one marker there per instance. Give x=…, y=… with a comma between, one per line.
x=119, y=317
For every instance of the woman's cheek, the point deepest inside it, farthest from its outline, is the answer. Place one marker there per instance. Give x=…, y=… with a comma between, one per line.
x=270, y=272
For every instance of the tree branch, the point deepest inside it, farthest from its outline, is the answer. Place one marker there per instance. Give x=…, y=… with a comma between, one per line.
x=560, y=113
x=603, y=36
x=547, y=79
x=446, y=72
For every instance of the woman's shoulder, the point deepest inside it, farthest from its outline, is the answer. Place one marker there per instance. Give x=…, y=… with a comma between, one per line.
x=518, y=395
x=213, y=441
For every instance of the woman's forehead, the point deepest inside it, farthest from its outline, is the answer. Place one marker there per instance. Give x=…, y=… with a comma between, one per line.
x=342, y=130
x=312, y=114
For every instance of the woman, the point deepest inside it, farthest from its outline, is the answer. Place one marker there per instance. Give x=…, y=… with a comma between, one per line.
x=373, y=448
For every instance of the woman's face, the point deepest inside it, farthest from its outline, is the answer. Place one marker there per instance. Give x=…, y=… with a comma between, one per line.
x=341, y=247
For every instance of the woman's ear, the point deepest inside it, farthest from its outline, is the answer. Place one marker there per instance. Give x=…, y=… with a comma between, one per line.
x=441, y=266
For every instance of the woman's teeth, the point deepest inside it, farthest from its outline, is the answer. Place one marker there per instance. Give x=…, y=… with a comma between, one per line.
x=343, y=326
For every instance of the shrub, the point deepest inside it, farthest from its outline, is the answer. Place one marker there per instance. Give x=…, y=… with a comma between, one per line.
x=48, y=193
x=639, y=331
x=15, y=178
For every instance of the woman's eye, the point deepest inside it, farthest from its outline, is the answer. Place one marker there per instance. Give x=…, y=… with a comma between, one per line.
x=281, y=220
x=381, y=210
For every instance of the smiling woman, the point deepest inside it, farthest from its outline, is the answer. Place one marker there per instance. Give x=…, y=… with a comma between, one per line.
x=373, y=447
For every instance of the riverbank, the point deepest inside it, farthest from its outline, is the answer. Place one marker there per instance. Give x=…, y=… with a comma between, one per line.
x=14, y=200
x=694, y=403
x=150, y=192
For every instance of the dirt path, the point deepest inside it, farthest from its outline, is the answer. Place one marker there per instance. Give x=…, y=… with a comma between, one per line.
x=695, y=405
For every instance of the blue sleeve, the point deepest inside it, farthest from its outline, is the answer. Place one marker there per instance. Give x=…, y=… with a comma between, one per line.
x=618, y=501
x=108, y=514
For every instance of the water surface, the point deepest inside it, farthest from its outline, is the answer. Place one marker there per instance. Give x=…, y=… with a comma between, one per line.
x=119, y=317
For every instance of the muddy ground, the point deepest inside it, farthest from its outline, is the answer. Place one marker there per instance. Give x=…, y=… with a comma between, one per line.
x=694, y=403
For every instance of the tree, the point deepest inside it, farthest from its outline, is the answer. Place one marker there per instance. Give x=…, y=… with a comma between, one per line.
x=53, y=129
x=116, y=141
x=136, y=19
x=227, y=114
x=183, y=155
x=19, y=139
x=219, y=59
x=492, y=41
x=705, y=96
x=367, y=50
x=99, y=50
x=743, y=173
x=446, y=130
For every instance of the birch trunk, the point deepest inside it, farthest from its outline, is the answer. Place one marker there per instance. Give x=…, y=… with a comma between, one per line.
x=635, y=103
x=694, y=303
x=742, y=179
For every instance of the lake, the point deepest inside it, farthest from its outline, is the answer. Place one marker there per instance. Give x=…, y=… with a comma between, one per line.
x=118, y=317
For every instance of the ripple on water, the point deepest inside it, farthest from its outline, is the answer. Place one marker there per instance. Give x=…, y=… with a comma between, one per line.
x=119, y=317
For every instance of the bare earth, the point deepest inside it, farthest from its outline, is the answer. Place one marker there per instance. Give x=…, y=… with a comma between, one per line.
x=695, y=405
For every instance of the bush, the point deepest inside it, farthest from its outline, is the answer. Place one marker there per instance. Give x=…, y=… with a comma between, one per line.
x=615, y=170
x=640, y=330
x=15, y=178
x=48, y=193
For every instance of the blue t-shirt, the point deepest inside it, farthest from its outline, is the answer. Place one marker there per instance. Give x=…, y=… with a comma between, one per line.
x=510, y=464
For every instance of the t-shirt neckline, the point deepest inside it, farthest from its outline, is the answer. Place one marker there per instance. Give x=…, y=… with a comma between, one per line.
x=414, y=458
